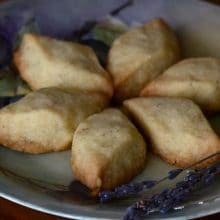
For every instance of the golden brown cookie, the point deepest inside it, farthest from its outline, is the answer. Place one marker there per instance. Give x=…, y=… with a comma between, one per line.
x=107, y=150
x=46, y=62
x=178, y=131
x=44, y=120
x=194, y=78
x=140, y=55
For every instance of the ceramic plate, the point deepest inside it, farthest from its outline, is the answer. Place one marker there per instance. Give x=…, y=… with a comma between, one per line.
x=45, y=182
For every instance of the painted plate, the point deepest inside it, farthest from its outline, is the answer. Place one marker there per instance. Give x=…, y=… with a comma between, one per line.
x=45, y=182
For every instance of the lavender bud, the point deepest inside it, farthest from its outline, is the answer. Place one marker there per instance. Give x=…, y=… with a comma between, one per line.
x=132, y=213
x=106, y=196
x=166, y=206
x=192, y=177
x=174, y=173
x=166, y=192
x=208, y=178
x=136, y=187
x=181, y=195
x=182, y=185
x=121, y=191
x=159, y=199
x=149, y=184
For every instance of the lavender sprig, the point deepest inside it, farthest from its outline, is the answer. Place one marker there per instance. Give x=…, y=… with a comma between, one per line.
x=171, y=197
x=135, y=188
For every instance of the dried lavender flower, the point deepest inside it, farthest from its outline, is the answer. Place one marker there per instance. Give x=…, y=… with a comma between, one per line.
x=174, y=173
x=135, y=188
x=171, y=197
x=123, y=191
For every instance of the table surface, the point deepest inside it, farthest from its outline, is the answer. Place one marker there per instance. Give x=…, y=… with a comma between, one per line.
x=12, y=211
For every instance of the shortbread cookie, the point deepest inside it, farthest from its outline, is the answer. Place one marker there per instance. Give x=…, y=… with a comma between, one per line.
x=178, y=131
x=46, y=62
x=140, y=55
x=44, y=121
x=194, y=78
x=107, y=150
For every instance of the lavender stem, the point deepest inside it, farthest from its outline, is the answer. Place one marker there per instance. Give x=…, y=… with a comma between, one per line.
x=132, y=189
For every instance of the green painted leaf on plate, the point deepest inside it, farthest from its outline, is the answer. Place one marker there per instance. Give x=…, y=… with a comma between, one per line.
x=30, y=27
x=109, y=29
x=11, y=84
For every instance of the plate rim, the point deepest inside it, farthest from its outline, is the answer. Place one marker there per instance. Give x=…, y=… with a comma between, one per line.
x=36, y=207
x=39, y=208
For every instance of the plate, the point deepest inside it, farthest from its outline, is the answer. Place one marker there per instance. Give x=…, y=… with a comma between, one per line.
x=45, y=182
